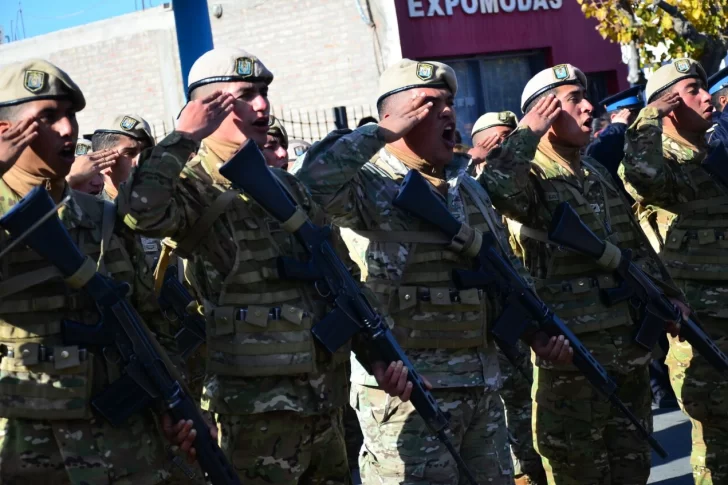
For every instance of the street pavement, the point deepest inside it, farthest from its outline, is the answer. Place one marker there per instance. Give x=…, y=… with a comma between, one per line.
x=672, y=430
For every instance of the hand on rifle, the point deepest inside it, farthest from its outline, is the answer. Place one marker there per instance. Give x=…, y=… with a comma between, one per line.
x=183, y=435
x=673, y=328
x=392, y=379
x=554, y=350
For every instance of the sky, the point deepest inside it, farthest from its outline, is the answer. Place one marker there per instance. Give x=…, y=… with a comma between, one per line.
x=43, y=16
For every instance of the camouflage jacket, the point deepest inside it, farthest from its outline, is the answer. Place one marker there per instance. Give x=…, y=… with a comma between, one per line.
x=165, y=198
x=681, y=208
x=527, y=186
x=358, y=195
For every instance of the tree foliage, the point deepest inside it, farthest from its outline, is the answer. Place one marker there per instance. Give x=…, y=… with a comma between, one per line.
x=693, y=28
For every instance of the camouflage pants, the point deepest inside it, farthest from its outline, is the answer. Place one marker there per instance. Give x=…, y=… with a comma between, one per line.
x=34, y=452
x=703, y=395
x=583, y=439
x=398, y=447
x=516, y=396
x=285, y=448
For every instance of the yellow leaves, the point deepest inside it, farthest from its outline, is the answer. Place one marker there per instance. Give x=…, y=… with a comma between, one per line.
x=666, y=22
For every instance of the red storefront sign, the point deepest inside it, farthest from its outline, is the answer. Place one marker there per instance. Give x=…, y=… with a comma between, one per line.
x=456, y=28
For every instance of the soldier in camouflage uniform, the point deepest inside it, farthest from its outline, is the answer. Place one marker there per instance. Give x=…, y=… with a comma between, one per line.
x=48, y=433
x=685, y=212
x=276, y=395
x=275, y=149
x=582, y=439
x=356, y=175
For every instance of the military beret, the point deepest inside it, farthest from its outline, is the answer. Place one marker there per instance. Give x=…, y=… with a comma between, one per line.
x=489, y=120
x=670, y=74
x=227, y=64
x=275, y=128
x=130, y=125
x=631, y=98
x=83, y=147
x=296, y=148
x=409, y=74
x=549, y=79
x=36, y=79
x=718, y=81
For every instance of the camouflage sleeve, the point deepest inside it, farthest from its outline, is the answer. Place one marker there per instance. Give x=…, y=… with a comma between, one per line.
x=646, y=175
x=330, y=167
x=506, y=174
x=149, y=203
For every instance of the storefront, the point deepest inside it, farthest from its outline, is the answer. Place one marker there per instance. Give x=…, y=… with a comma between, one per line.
x=495, y=46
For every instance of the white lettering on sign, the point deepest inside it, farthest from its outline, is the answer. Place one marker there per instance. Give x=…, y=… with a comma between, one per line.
x=442, y=8
x=415, y=8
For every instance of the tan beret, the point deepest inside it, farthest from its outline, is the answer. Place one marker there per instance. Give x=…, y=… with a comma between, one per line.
x=83, y=147
x=549, y=79
x=489, y=120
x=275, y=128
x=409, y=74
x=130, y=125
x=671, y=73
x=296, y=148
x=36, y=79
x=227, y=64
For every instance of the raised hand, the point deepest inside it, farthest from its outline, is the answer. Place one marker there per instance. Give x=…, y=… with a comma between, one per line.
x=397, y=124
x=201, y=117
x=542, y=115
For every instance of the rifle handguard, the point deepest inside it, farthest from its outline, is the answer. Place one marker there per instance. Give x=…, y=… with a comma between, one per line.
x=467, y=241
x=611, y=257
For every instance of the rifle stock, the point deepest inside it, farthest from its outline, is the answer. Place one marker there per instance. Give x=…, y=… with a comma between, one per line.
x=352, y=314
x=522, y=304
x=147, y=374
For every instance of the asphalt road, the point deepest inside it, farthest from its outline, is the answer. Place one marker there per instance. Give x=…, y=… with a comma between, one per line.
x=672, y=430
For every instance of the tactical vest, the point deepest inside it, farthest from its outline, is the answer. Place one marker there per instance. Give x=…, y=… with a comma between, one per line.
x=691, y=236
x=427, y=312
x=261, y=325
x=569, y=282
x=40, y=377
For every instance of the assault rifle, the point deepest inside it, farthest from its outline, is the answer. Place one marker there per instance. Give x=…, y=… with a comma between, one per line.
x=175, y=298
x=352, y=313
x=522, y=305
x=148, y=377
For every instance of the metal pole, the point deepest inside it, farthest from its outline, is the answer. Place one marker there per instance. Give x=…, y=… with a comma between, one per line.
x=194, y=33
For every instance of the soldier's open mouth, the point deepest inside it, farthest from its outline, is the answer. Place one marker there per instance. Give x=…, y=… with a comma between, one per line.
x=448, y=135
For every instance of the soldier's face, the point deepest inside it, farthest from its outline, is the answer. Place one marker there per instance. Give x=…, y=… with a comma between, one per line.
x=129, y=150
x=274, y=153
x=52, y=153
x=93, y=186
x=573, y=126
x=434, y=137
x=249, y=118
x=696, y=110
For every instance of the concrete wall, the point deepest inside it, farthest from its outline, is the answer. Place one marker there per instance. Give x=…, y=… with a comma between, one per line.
x=321, y=51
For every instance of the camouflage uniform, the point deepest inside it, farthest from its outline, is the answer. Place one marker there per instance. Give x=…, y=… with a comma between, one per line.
x=443, y=332
x=276, y=396
x=516, y=396
x=582, y=439
x=685, y=212
x=48, y=433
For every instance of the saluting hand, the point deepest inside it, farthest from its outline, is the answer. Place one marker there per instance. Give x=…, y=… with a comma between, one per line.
x=666, y=104
x=14, y=140
x=201, y=117
x=86, y=167
x=397, y=124
x=542, y=115
x=622, y=116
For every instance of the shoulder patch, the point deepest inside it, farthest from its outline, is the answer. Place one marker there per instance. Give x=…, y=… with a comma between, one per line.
x=34, y=81
x=425, y=71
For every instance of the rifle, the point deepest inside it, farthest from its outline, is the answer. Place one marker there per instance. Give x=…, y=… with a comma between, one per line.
x=147, y=374
x=175, y=298
x=568, y=230
x=352, y=313
x=522, y=305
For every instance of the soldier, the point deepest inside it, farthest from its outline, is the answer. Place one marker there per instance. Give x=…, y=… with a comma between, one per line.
x=48, y=432
x=582, y=439
x=296, y=148
x=489, y=131
x=687, y=212
x=277, y=397
x=275, y=149
x=718, y=89
x=356, y=175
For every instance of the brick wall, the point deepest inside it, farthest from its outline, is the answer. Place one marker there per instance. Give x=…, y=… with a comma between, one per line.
x=321, y=51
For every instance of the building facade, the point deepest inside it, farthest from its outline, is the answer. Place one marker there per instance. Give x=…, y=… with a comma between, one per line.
x=327, y=53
